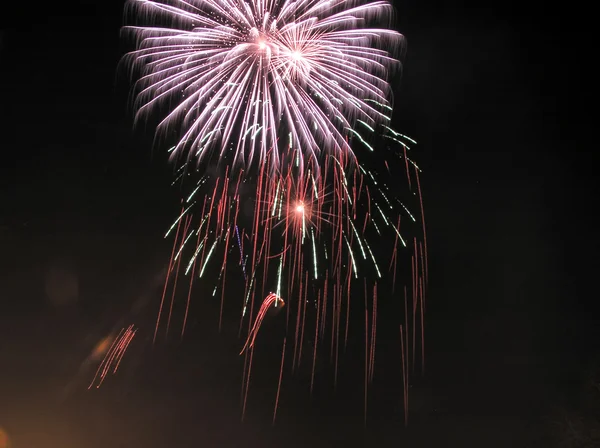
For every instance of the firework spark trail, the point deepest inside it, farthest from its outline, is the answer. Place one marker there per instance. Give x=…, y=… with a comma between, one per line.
x=114, y=355
x=224, y=273
x=366, y=353
x=242, y=262
x=298, y=317
x=423, y=224
x=349, y=278
x=304, y=302
x=269, y=300
x=162, y=300
x=279, y=382
x=189, y=296
x=246, y=384
x=337, y=336
x=312, y=375
x=415, y=298
x=188, y=221
x=373, y=334
x=422, y=315
x=333, y=321
x=404, y=376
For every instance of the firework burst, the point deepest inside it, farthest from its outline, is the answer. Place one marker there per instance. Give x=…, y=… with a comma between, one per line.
x=273, y=101
x=264, y=81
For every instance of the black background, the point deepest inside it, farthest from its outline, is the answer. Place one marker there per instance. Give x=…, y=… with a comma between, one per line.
x=499, y=97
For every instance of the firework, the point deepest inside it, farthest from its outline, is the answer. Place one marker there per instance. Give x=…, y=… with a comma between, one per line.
x=265, y=81
x=113, y=350
x=271, y=299
x=286, y=103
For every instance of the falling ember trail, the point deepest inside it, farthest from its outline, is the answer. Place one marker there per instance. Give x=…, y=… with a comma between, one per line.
x=303, y=321
x=279, y=383
x=162, y=300
x=373, y=334
x=269, y=300
x=366, y=352
x=312, y=375
x=188, y=221
x=114, y=355
x=423, y=225
x=189, y=296
x=404, y=377
x=422, y=327
x=247, y=385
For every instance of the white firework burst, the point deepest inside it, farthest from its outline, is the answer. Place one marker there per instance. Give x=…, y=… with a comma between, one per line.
x=244, y=79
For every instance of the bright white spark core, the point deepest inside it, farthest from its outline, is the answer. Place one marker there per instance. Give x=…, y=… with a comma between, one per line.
x=235, y=75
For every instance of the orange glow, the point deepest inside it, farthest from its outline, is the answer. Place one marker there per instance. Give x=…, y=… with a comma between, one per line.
x=100, y=350
x=3, y=439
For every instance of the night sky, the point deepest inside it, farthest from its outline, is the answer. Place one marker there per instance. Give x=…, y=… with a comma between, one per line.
x=499, y=97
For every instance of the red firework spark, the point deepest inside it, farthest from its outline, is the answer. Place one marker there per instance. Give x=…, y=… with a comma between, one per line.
x=113, y=356
x=271, y=299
